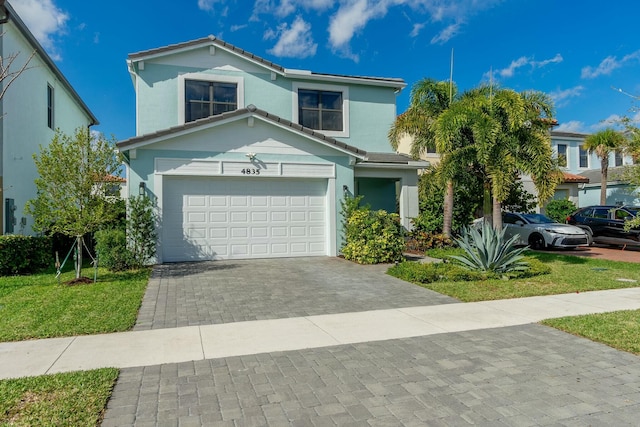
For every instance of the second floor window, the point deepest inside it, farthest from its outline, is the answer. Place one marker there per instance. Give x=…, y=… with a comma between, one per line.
x=204, y=99
x=618, y=158
x=320, y=109
x=50, y=121
x=584, y=157
x=562, y=155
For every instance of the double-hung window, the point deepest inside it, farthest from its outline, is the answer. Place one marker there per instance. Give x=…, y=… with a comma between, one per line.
x=562, y=155
x=208, y=98
x=584, y=157
x=618, y=158
x=320, y=109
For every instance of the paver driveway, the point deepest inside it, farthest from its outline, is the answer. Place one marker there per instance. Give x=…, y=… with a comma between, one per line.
x=202, y=293
x=528, y=375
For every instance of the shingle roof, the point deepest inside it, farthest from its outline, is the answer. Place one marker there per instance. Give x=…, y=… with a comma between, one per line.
x=561, y=134
x=212, y=40
x=595, y=176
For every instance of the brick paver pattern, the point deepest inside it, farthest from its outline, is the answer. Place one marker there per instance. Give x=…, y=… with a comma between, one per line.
x=517, y=376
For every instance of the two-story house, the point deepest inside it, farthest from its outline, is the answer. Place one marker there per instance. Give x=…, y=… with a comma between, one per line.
x=577, y=161
x=247, y=159
x=36, y=103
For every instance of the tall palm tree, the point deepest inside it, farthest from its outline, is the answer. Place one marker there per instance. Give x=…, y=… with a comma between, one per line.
x=507, y=134
x=603, y=143
x=429, y=98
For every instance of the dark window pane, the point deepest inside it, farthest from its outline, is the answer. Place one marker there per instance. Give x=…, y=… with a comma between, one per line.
x=195, y=90
x=310, y=119
x=332, y=100
x=331, y=120
x=225, y=93
x=203, y=99
x=196, y=110
x=308, y=98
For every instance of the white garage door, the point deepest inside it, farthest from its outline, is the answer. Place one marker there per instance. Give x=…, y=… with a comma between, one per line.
x=227, y=218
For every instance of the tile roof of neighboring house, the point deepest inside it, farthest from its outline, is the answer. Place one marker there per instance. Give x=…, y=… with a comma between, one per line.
x=595, y=176
x=114, y=178
x=253, y=110
x=10, y=15
x=212, y=40
x=570, y=177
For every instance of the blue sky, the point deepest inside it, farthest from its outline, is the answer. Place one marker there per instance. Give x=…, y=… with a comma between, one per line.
x=582, y=53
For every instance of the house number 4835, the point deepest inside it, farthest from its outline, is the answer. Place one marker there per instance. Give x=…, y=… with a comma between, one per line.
x=250, y=171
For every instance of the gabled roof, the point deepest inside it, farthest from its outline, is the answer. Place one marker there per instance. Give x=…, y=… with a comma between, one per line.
x=211, y=40
x=251, y=110
x=7, y=13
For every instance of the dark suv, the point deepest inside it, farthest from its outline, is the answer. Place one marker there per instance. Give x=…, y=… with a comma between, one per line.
x=605, y=224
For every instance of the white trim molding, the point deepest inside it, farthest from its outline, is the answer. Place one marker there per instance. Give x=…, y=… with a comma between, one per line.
x=239, y=81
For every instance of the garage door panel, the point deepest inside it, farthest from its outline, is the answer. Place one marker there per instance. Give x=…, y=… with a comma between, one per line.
x=220, y=218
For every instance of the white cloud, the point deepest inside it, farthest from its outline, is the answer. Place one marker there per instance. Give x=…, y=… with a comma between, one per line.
x=561, y=97
x=608, y=65
x=523, y=61
x=571, y=126
x=447, y=34
x=235, y=28
x=284, y=8
x=415, y=31
x=295, y=41
x=44, y=20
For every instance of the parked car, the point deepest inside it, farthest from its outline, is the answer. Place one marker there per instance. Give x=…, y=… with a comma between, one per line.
x=605, y=224
x=540, y=232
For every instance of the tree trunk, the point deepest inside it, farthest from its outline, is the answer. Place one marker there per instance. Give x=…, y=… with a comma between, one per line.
x=486, y=203
x=603, y=185
x=79, y=256
x=448, y=210
x=497, y=214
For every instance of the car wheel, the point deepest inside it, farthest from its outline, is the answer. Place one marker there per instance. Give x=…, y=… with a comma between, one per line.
x=536, y=241
x=589, y=237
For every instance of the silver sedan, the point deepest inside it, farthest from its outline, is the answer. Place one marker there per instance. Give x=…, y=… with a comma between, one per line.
x=540, y=232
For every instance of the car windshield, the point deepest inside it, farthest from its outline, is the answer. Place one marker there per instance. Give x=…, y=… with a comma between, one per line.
x=538, y=219
x=633, y=211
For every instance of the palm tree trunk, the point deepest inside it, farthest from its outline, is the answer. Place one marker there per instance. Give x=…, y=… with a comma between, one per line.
x=604, y=169
x=447, y=220
x=486, y=203
x=497, y=214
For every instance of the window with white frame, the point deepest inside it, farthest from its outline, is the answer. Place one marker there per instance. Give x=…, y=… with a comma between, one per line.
x=202, y=95
x=322, y=107
x=562, y=155
x=618, y=158
x=584, y=157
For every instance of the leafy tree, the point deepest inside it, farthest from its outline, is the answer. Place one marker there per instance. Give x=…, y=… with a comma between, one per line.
x=559, y=209
x=603, y=143
x=73, y=196
x=506, y=134
x=429, y=98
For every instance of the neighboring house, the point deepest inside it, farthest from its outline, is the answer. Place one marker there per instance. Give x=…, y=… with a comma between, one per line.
x=247, y=159
x=39, y=101
x=575, y=160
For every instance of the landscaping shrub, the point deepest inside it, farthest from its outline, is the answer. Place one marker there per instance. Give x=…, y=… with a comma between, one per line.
x=420, y=241
x=24, y=254
x=372, y=237
x=558, y=210
x=141, y=230
x=489, y=250
x=111, y=246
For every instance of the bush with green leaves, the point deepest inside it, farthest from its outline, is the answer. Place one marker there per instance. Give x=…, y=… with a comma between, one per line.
x=112, y=250
x=487, y=249
x=24, y=254
x=372, y=237
x=559, y=209
x=420, y=241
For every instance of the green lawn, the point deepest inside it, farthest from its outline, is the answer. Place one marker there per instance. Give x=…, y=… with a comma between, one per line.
x=36, y=306
x=69, y=399
x=568, y=274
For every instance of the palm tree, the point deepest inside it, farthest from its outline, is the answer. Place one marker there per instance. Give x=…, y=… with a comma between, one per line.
x=429, y=98
x=603, y=143
x=507, y=134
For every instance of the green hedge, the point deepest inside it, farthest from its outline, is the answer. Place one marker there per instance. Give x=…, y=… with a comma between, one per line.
x=373, y=237
x=113, y=253
x=24, y=254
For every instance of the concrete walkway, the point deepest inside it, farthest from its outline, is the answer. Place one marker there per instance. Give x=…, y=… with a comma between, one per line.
x=193, y=343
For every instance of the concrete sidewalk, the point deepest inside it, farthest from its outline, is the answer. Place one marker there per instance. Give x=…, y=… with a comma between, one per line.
x=192, y=343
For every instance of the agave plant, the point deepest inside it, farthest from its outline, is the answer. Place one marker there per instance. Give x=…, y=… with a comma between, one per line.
x=488, y=250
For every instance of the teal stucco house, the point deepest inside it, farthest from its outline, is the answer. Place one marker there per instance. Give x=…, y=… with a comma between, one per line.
x=37, y=102
x=247, y=159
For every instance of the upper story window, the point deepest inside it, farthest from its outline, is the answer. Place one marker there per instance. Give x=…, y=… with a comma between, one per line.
x=584, y=157
x=562, y=155
x=202, y=95
x=50, y=109
x=208, y=98
x=322, y=107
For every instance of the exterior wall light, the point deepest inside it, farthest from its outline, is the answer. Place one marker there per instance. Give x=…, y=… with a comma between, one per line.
x=142, y=189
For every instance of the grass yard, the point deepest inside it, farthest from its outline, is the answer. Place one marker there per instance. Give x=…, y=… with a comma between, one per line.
x=619, y=329
x=69, y=399
x=568, y=274
x=36, y=306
